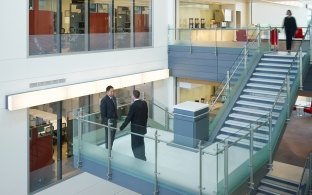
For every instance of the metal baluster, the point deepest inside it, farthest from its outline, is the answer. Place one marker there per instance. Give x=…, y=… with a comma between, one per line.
x=79, y=114
x=226, y=167
x=270, y=141
x=200, y=168
x=109, y=172
x=251, y=182
x=288, y=97
x=156, y=188
x=300, y=69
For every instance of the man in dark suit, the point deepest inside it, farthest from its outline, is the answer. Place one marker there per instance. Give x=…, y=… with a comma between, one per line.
x=109, y=113
x=138, y=114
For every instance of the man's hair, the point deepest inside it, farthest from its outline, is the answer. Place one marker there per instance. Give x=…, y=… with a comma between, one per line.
x=136, y=94
x=109, y=87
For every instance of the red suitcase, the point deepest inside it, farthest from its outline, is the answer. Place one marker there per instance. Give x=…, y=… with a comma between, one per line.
x=274, y=37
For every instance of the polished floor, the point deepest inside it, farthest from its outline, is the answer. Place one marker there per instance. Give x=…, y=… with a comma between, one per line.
x=296, y=142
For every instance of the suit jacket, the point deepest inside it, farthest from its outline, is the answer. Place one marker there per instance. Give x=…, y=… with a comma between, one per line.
x=138, y=115
x=108, y=108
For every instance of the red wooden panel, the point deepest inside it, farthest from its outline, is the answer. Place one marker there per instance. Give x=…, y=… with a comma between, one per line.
x=99, y=22
x=41, y=22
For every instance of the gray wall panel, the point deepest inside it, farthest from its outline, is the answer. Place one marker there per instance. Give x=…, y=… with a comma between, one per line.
x=201, y=62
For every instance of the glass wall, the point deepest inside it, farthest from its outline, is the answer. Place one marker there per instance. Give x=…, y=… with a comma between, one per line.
x=88, y=25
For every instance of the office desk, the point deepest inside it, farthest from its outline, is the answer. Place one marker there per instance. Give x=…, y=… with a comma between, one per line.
x=48, y=118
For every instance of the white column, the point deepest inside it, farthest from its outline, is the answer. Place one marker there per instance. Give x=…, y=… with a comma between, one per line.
x=14, y=163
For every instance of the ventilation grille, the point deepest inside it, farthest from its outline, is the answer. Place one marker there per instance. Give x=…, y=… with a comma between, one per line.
x=44, y=83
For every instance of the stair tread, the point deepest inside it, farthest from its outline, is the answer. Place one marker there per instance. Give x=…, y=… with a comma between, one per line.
x=255, y=111
x=273, y=191
x=264, y=86
x=275, y=65
x=273, y=93
x=262, y=105
x=280, y=55
x=241, y=141
x=262, y=98
x=272, y=75
x=276, y=70
x=277, y=59
x=250, y=118
x=295, y=183
x=245, y=125
x=267, y=80
x=278, y=184
x=244, y=132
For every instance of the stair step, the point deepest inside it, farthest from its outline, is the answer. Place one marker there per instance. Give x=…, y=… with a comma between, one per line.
x=268, y=80
x=279, y=185
x=278, y=60
x=249, y=118
x=254, y=111
x=261, y=105
x=272, y=191
x=272, y=75
x=277, y=87
x=263, y=98
x=276, y=70
x=283, y=180
x=245, y=125
x=241, y=132
x=265, y=64
x=280, y=55
x=244, y=142
x=263, y=92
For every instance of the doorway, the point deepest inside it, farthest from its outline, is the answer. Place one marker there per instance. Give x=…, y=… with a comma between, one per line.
x=238, y=19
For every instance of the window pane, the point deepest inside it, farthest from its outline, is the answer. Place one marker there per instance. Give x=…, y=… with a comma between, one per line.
x=123, y=24
x=143, y=23
x=42, y=27
x=100, y=24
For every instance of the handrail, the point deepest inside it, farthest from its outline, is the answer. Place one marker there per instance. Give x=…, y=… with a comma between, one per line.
x=289, y=69
x=228, y=81
x=307, y=162
x=127, y=104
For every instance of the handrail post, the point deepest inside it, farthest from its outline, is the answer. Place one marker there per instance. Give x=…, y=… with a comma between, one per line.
x=310, y=173
x=300, y=68
x=79, y=114
x=166, y=119
x=200, y=168
x=226, y=167
x=216, y=36
x=156, y=188
x=259, y=36
x=288, y=96
x=109, y=171
x=251, y=182
x=228, y=88
x=270, y=165
x=245, y=57
x=269, y=35
x=191, y=41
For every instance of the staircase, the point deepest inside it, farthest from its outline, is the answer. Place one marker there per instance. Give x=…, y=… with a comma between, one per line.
x=256, y=101
x=271, y=185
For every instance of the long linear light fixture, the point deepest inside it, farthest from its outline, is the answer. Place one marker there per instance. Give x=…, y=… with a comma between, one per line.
x=34, y=98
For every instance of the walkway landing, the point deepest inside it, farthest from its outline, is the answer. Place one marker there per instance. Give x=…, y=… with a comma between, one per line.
x=86, y=184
